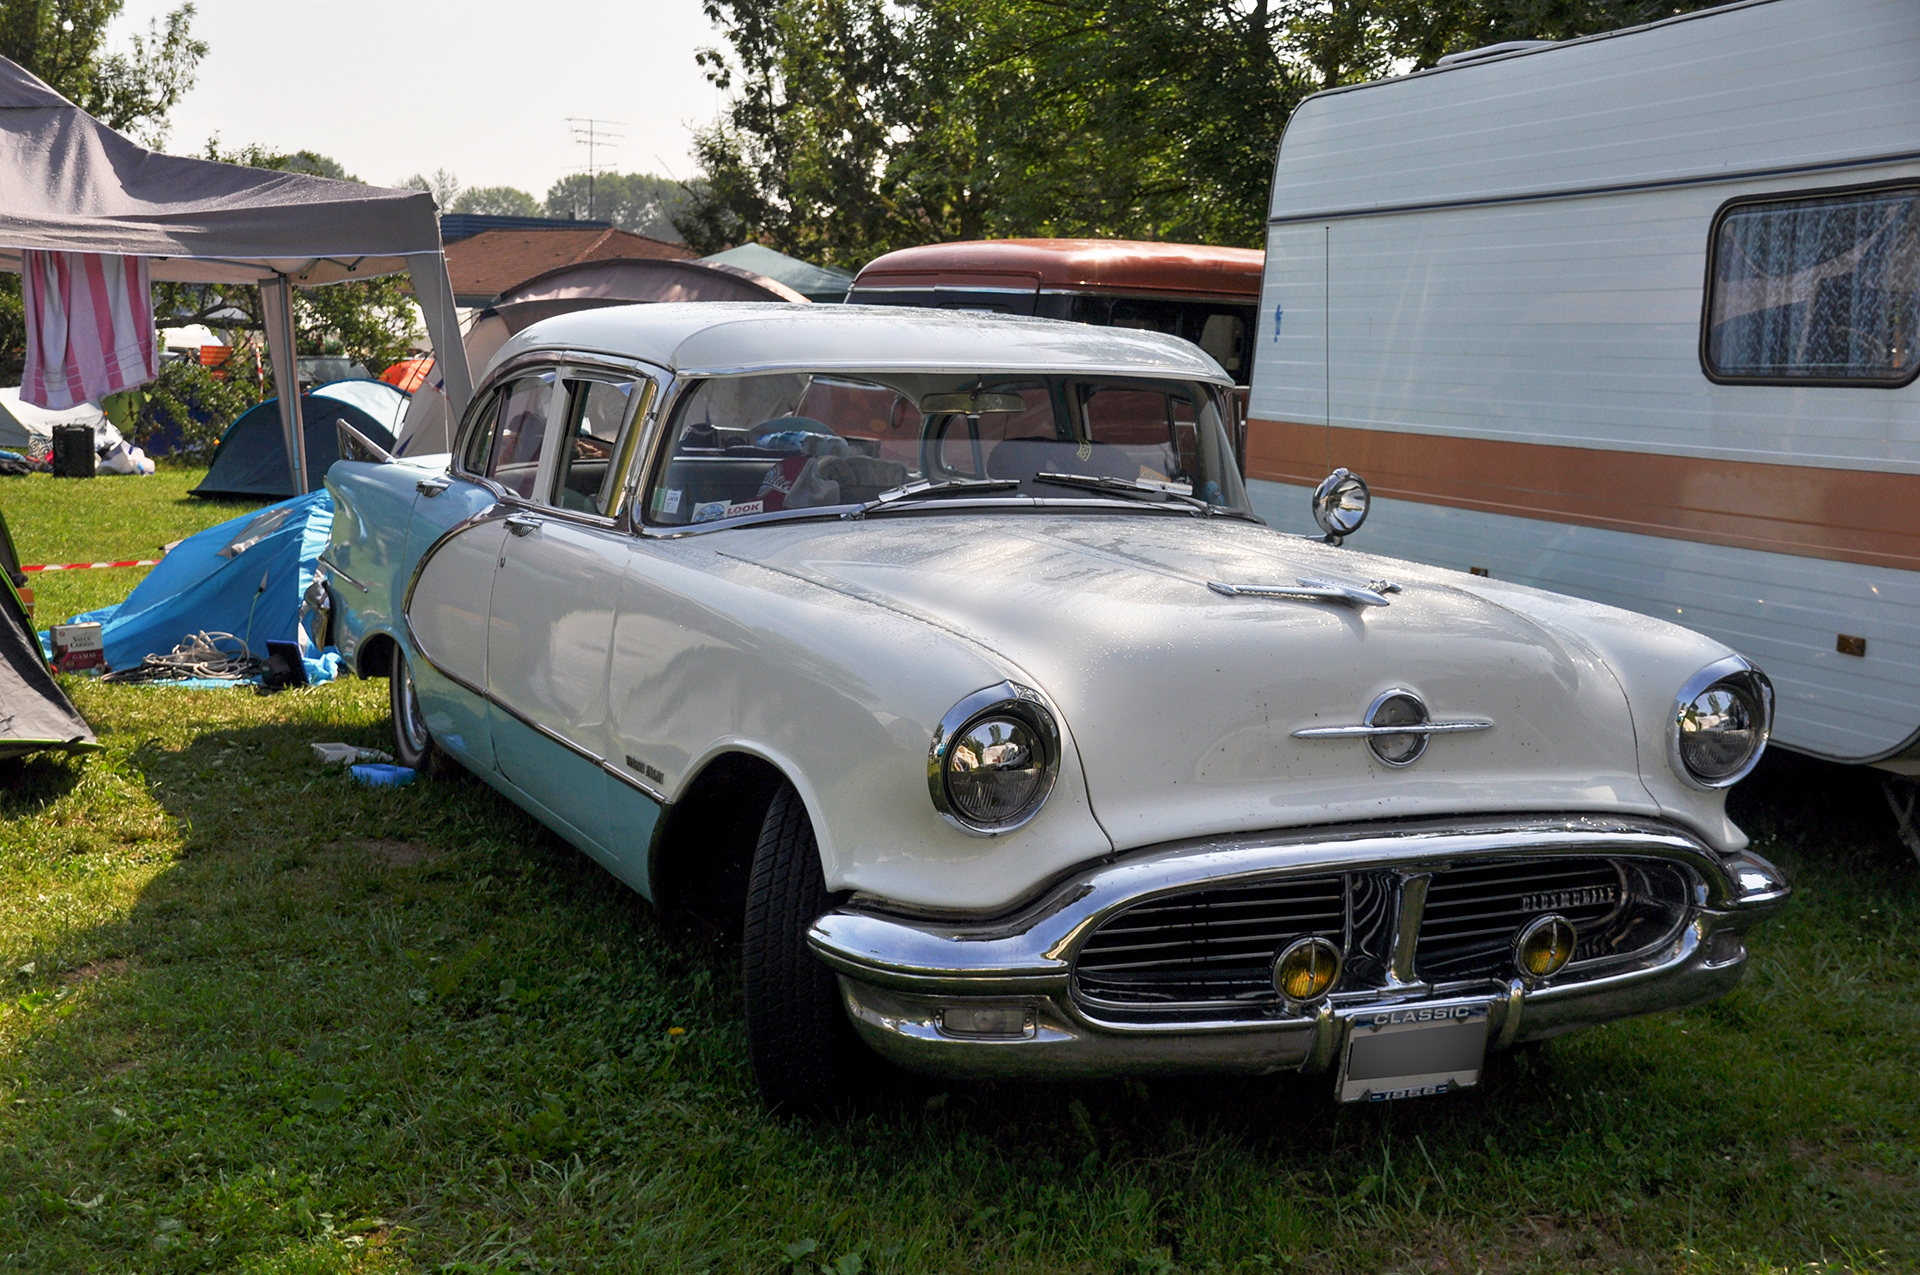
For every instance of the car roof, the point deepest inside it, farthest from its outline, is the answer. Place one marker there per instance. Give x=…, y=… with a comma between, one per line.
x=1080, y=265
x=716, y=338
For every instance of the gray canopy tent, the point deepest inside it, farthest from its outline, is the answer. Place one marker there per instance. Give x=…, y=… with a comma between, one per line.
x=68, y=183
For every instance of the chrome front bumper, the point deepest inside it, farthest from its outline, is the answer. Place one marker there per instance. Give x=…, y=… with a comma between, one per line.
x=915, y=987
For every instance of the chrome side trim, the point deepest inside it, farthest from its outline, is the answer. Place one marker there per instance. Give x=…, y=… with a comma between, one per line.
x=645, y=789
x=334, y=568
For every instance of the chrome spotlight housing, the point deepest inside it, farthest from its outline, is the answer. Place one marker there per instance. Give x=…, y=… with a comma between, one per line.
x=1340, y=504
x=994, y=759
x=1721, y=720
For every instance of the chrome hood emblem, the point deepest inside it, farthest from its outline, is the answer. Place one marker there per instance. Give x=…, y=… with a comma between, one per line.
x=1397, y=728
x=1372, y=594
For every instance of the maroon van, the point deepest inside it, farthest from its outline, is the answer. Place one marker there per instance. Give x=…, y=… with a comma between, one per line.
x=1210, y=296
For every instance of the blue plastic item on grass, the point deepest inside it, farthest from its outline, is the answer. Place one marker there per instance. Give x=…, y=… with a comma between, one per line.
x=380, y=775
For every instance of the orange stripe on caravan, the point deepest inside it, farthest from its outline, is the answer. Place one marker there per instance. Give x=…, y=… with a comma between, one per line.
x=1844, y=515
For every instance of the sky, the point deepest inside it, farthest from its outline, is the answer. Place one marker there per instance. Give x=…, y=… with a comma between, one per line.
x=481, y=88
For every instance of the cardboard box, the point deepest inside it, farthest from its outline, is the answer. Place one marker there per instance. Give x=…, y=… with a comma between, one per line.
x=78, y=647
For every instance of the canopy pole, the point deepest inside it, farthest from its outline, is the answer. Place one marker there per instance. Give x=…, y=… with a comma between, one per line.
x=434, y=291
x=276, y=308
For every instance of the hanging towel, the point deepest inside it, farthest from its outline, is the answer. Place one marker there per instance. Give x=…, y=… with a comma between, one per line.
x=89, y=327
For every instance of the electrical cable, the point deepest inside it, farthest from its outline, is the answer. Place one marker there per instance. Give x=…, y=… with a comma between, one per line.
x=199, y=655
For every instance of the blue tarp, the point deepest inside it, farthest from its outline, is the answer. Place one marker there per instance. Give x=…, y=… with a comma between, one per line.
x=245, y=577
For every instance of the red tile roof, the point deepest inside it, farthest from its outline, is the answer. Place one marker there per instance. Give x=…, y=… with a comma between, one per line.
x=487, y=264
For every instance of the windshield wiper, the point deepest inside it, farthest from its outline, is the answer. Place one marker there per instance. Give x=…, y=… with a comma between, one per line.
x=1130, y=486
x=915, y=490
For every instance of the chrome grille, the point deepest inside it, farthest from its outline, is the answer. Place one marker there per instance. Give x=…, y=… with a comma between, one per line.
x=1207, y=945
x=1474, y=911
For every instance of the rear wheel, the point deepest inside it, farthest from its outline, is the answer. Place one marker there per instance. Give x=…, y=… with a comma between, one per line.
x=806, y=1057
x=413, y=745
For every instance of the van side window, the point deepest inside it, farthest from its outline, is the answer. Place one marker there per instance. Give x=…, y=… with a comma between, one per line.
x=1821, y=290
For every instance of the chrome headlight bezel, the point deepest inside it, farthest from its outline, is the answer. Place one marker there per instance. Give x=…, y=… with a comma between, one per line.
x=1008, y=699
x=1743, y=678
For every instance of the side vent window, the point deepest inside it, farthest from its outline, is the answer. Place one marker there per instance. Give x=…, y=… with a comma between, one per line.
x=1815, y=291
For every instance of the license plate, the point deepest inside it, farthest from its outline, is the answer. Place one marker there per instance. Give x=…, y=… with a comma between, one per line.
x=1413, y=1050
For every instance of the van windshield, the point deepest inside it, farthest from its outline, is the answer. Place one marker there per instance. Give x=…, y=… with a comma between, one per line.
x=749, y=445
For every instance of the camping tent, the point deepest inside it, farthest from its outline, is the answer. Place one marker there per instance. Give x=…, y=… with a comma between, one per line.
x=584, y=285
x=245, y=576
x=378, y=399
x=250, y=460
x=68, y=183
x=34, y=712
x=816, y=283
x=27, y=429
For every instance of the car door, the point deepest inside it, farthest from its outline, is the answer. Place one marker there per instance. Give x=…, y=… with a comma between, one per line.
x=551, y=609
x=455, y=547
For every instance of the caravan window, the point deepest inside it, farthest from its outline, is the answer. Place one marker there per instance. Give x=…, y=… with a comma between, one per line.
x=1815, y=291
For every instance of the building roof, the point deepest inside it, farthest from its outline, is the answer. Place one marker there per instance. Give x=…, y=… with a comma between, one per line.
x=483, y=266
x=465, y=225
x=1080, y=265
x=713, y=338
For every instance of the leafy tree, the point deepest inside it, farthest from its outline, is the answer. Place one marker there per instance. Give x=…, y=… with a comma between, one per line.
x=639, y=202
x=62, y=42
x=497, y=201
x=443, y=186
x=858, y=126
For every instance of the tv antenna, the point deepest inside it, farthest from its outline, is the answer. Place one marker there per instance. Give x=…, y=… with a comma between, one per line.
x=592, y=134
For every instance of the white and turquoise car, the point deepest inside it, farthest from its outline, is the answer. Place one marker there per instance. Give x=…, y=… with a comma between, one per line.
x=942, y=653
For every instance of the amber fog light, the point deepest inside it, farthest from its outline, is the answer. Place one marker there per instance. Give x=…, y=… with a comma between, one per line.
x=1306, y=969
x=1544, y=946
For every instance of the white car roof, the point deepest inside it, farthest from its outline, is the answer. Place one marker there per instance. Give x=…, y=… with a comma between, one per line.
x=715, y=338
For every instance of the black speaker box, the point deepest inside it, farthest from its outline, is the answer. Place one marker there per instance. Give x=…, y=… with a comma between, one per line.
x=73, y=451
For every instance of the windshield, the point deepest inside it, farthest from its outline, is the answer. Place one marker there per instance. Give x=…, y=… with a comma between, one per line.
x=747, y=445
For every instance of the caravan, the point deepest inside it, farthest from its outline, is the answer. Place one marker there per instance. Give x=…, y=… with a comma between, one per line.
x=1630, y=317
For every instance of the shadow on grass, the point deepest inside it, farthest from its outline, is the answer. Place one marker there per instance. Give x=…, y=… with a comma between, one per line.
x=413, y=1019
x=31, y=783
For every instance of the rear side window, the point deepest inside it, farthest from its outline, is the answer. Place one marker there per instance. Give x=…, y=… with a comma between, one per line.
x=1815, y=291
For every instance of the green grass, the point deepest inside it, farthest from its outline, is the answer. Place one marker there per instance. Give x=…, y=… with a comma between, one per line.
x=255, y=1018
x=112, y=518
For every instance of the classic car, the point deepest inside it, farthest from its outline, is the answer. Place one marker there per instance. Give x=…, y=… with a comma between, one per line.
x=941, y=651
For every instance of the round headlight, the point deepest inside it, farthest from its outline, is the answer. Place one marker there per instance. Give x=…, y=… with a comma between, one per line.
x=1721, y=720
x=1544, y=946
x=1340, y=503
x=1306, y=969
x=994, y=759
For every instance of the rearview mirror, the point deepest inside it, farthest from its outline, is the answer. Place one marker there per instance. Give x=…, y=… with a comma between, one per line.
x=975, y=404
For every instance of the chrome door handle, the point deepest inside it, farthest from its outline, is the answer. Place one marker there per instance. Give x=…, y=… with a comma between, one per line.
x=521, y=525
x=431, y=487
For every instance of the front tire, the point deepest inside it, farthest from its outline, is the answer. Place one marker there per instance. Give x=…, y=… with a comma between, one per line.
x=805, y=1055
x=413, y=745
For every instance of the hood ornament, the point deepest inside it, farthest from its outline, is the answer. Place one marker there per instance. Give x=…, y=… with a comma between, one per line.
x=1397, y=728
x=1372, y=594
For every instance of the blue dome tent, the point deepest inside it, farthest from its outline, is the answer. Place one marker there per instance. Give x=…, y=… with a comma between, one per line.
x=252, y=460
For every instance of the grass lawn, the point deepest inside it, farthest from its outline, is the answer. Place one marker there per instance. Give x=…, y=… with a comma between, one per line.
x=254, y=1018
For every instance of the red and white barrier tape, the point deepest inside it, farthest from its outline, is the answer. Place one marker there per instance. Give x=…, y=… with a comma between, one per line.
x=82, y=566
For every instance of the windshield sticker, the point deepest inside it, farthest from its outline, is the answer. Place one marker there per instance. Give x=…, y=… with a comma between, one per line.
x=711, y=511
x=671, y=502
x=746, y=507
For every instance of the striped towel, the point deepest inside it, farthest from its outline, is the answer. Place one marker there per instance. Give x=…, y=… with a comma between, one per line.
x=89, y=327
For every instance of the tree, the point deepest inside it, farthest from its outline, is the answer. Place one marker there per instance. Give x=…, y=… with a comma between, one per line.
x=61, y=41
x=496, y=201
x=858, y=126
x=443, y=186
x=639, y=202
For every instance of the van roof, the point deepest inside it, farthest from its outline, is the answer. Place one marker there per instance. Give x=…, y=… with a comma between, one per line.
x=1080, y=265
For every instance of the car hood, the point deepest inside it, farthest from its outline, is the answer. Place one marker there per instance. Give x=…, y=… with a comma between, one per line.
x=1183, y=701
